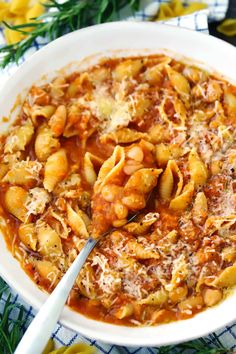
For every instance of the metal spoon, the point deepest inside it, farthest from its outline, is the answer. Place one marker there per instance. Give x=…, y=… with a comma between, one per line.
x=41, y=328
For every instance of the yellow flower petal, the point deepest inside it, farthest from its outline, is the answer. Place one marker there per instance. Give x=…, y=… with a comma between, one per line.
x=18, y=7
x=228, y=27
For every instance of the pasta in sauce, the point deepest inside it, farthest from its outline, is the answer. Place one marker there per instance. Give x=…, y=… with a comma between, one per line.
x=147, y=135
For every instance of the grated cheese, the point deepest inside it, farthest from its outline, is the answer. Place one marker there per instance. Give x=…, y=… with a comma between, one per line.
x=37, y=200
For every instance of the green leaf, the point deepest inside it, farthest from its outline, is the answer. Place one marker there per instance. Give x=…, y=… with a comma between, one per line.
x=104, y=4
x=134, y=4
x=62, y=18
x=198, y=346
x=3, y=286
x=11, y=330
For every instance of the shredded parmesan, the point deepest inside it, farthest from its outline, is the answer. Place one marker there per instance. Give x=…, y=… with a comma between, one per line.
x=37, y=201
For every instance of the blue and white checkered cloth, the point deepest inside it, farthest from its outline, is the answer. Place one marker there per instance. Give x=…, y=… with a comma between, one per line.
x=198, y=21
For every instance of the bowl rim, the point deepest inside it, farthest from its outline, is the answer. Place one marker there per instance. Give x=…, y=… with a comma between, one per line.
x=90, y=332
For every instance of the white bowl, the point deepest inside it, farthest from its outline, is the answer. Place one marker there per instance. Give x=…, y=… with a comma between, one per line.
x=105, y=39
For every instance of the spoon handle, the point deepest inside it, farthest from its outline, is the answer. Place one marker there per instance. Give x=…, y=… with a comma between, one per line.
x=40, y=329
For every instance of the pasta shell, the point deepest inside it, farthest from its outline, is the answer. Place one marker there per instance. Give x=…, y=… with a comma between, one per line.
x=230, y=100
x=138, y=250
x=19, y=138
x=127, y=69
x=142, y=227
x=80, y=348
x=154, y=75
x=35, y=11
x=77, y=83
x=157, y=298
x=13, y=37
x=214, y=91
x=124, y=311
x=179, y=82
x=165, y=12
x=226, y=278
x=179, y=273
x=228, y=27
x=38, y=96
x=180, y=113
x=214, y=223
x=167, y=181
x=40, y=112
x=195, y=75
x=178, y=118
x=56, y=169
x=111, y=169
x=49, y=243
x=89, y=172
x=178, y=294
x=28, y=236
x=37, y=200
x=4, y=11
x=123, y=136
x=3, y=169
x=45, y=143
x=15, y=199
x=58, y=87
x=166, y=184
x=194, y=7
x=200, y=209
x=182, y=201
x=24, y=173
x=140, y=105
x=58, y=223
x=100, y=74
x=71, y=184
x=197, y=168
x=18, y=7
x=163, y=154
x=228, y=253
x=57, y=121
x=85, y=282
x=76, y=222
x=157, y=133
x=47, y=271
